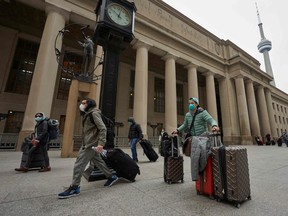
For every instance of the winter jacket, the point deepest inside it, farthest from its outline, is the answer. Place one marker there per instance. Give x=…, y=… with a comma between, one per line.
x=200, y=150
x=41, y=132
x=93, y=133
x=135, y=131
x=200, y=123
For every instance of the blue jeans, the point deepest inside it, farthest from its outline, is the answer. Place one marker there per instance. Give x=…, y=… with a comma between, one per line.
x=133, y=143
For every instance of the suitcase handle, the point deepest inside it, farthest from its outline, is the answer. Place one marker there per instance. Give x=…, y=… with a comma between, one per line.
x=172, y=145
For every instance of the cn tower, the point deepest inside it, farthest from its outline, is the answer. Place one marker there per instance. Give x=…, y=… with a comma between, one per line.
x=264, y=47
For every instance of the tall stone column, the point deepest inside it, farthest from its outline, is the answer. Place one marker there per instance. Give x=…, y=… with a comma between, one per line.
x=170, y=93
x=42, y=88
x=211, y=95
x=141, y=86
x=243, y=111
x=192, y=81
x=226, y=111
x=252, y=109
x=98, y=71
x=273, y=127
x=263, y=118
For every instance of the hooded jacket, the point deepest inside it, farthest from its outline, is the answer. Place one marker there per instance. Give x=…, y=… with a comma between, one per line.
x=41, y=131
x=135, y=129
x=93, y=133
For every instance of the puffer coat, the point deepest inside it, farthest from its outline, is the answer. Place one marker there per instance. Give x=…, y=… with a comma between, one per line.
x=202, y=119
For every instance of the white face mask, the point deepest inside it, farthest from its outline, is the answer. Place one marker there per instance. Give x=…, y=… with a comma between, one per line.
x=82, y=107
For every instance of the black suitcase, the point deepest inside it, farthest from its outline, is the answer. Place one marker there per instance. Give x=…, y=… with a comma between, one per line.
x=37, y=159
x=148, y=150
x=122, y=163
x=231, y=174
x=93, y=173
x=173, y=166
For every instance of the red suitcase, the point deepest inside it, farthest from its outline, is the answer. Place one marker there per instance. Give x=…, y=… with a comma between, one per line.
x=204, y=184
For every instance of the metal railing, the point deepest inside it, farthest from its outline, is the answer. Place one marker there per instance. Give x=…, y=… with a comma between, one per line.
x=9, y=141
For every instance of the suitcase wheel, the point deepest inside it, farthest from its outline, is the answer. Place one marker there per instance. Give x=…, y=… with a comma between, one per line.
x=211, y=197
x=237, y=205
x=182, y=180
x=170, y=182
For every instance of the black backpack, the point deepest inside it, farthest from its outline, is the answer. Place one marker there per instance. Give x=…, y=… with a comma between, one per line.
x=110, y=126
x=53, y=128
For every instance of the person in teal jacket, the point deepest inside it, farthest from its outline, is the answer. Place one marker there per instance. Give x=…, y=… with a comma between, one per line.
x=202, y=119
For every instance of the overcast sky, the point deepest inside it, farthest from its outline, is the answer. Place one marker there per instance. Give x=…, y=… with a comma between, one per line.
x=237, y=21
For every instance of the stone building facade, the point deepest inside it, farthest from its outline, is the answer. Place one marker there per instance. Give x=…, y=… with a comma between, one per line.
x=171, y=59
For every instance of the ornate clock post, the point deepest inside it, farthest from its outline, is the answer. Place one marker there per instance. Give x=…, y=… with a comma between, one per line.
x=114, y=32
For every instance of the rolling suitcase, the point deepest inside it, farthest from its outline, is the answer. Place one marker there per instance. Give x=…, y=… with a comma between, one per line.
x=93, y=173
x=231, y=174
x=122, y=163
x=205, y=184
x=173, y=166
x=148, y=150
x=37, y=161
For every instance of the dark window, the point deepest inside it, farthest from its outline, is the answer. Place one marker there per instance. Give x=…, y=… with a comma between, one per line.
x=21, y=73
x=131, y=89
x=62, y=124
x=275, y=118
x=159, y=95
x=279, y=119
x=180, y=104
x=273, y=105
x=283, y=120
x=14, y=122
x=71, y=65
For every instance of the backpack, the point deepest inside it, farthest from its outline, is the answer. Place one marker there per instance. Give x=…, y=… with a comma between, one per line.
x=53, y=128
x=110, y=126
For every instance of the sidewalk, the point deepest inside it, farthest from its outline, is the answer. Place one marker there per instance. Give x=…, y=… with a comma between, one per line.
x=34, y=193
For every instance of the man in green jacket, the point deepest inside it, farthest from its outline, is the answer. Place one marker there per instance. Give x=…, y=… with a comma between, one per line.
x=93, y=135
x=202, y=119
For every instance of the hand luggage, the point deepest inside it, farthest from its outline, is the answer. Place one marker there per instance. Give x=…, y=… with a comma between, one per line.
x=93, y=173
x=231, y=174
x=148, y=150
x=173, y=166
x=122, y=163
x=166, y=146
x=205, y=184
x=37, y=159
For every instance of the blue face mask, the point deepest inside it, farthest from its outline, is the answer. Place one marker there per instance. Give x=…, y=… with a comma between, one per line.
x=37, y=119
x=191, y=107
x=130, y=123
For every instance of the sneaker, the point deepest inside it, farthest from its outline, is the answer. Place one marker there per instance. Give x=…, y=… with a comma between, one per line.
x=70, y=192
x=111, y=181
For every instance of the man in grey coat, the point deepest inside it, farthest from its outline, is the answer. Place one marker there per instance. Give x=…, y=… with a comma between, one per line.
x=93, y=135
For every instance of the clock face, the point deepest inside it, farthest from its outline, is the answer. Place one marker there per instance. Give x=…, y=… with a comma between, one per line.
x=118, y=14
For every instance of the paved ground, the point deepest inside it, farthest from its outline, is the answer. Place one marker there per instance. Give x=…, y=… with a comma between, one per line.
x=35, y=193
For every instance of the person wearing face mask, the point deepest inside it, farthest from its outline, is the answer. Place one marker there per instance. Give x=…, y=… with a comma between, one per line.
x=93, y=135
x=197, y=121
x=40, y=140
x=202, y=119
x=134, y=135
